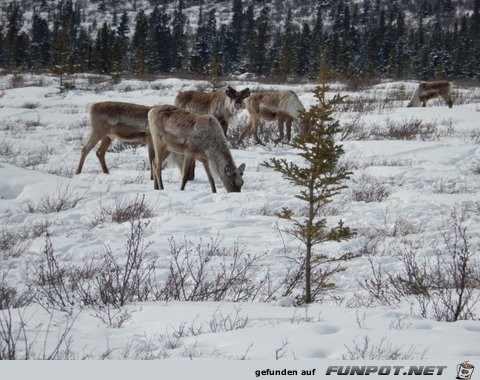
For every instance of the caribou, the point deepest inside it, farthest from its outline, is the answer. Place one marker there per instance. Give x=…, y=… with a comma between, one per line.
x=224, y=105
x=196, y=137
x=116, y=120
x=283, y=106
x=429, y=90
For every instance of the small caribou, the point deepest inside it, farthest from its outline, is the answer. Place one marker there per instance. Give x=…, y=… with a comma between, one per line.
x=116, y=120
x=222, y=104
x=283, y=106
x=430, y=90
x=197, y=137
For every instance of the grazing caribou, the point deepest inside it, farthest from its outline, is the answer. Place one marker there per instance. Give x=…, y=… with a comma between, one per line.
x=224, y=105
x=283, y=106
x=116, y=120
x=429, y=90
x=196, y=137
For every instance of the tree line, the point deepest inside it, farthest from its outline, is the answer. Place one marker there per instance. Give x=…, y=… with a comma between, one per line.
x=373, y=38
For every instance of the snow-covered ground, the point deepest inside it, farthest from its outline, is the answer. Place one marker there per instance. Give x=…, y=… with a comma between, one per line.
x=415, y=187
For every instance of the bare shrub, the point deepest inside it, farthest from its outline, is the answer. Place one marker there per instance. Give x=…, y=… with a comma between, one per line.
x=452, y=186
x=367, y=188
x=140, y=178
x=223, y=323
x=12, y=244
x=16, y=344
x=30, y=105
x=32, y=124
x=110, y=315
x=61, y=171
x=446, y=287
x=16, y=81
x=7, y=149
x=475, y=168
x=411, y=129
x=209, y=272
x=36, y=158
x=384, y=350
x=267, y=209
x=323, y=270
x=353, y=129
x=123, y=210
x=62, y=199
x=120, y=282
x=379, y=287
x=356, y=163
x=393, y=225
x=10, y=297
x=34, y=230
x=11, y=339
x=52, y=282
x=61, y=286
x=360, y=104
x=474, y=136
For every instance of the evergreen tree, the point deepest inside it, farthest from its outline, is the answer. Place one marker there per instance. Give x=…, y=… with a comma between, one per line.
x=202, y=50
x=40, y=43
x=221, y=63
x=320, y=178
x=139, y=43
x=233, y=38
x=258, y=62
x=179, y=51
x=84, y=51
x=60, y=52
x=2, y=49
x=249, y=38
x=318, y=44
x=13, y=41
x=159, y=42
x=102, y=50
x=120, y=48
x=287, y=57
x=303, y=51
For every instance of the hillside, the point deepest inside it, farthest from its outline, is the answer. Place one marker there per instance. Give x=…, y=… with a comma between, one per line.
x=282, y=40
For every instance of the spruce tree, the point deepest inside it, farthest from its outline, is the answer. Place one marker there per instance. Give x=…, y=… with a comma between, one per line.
x=40, y=43
x=234, y=38
x=179, y=50
x=13, y=32
x=287, y=58
x=102, y=50
x=258, y=62
x=319, y=179
x=318, y=41
x=2, y=50
x=139, y=43
x=120, y=48
x=303, y=51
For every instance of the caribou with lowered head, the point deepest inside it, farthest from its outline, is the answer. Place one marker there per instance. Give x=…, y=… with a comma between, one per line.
x=429, y=90
x=196, y=137
x=116, y=120
x=282, y=106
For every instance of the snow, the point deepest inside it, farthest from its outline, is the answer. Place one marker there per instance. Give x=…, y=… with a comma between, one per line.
x=426, y=181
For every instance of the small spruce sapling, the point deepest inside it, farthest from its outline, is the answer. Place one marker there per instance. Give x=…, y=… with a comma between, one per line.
x=320, y=178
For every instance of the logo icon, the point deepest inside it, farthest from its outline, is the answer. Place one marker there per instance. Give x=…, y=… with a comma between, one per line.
x=465, y=370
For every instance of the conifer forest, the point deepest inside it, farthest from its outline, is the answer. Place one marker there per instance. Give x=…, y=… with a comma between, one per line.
x=283, y=40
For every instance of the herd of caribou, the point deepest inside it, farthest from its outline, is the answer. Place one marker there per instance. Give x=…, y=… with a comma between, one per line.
x=195, y=128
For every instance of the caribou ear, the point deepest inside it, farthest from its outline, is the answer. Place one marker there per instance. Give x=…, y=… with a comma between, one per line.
x=228, y=170
x=241, y=169
x=230, y=92
x=246, y=92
